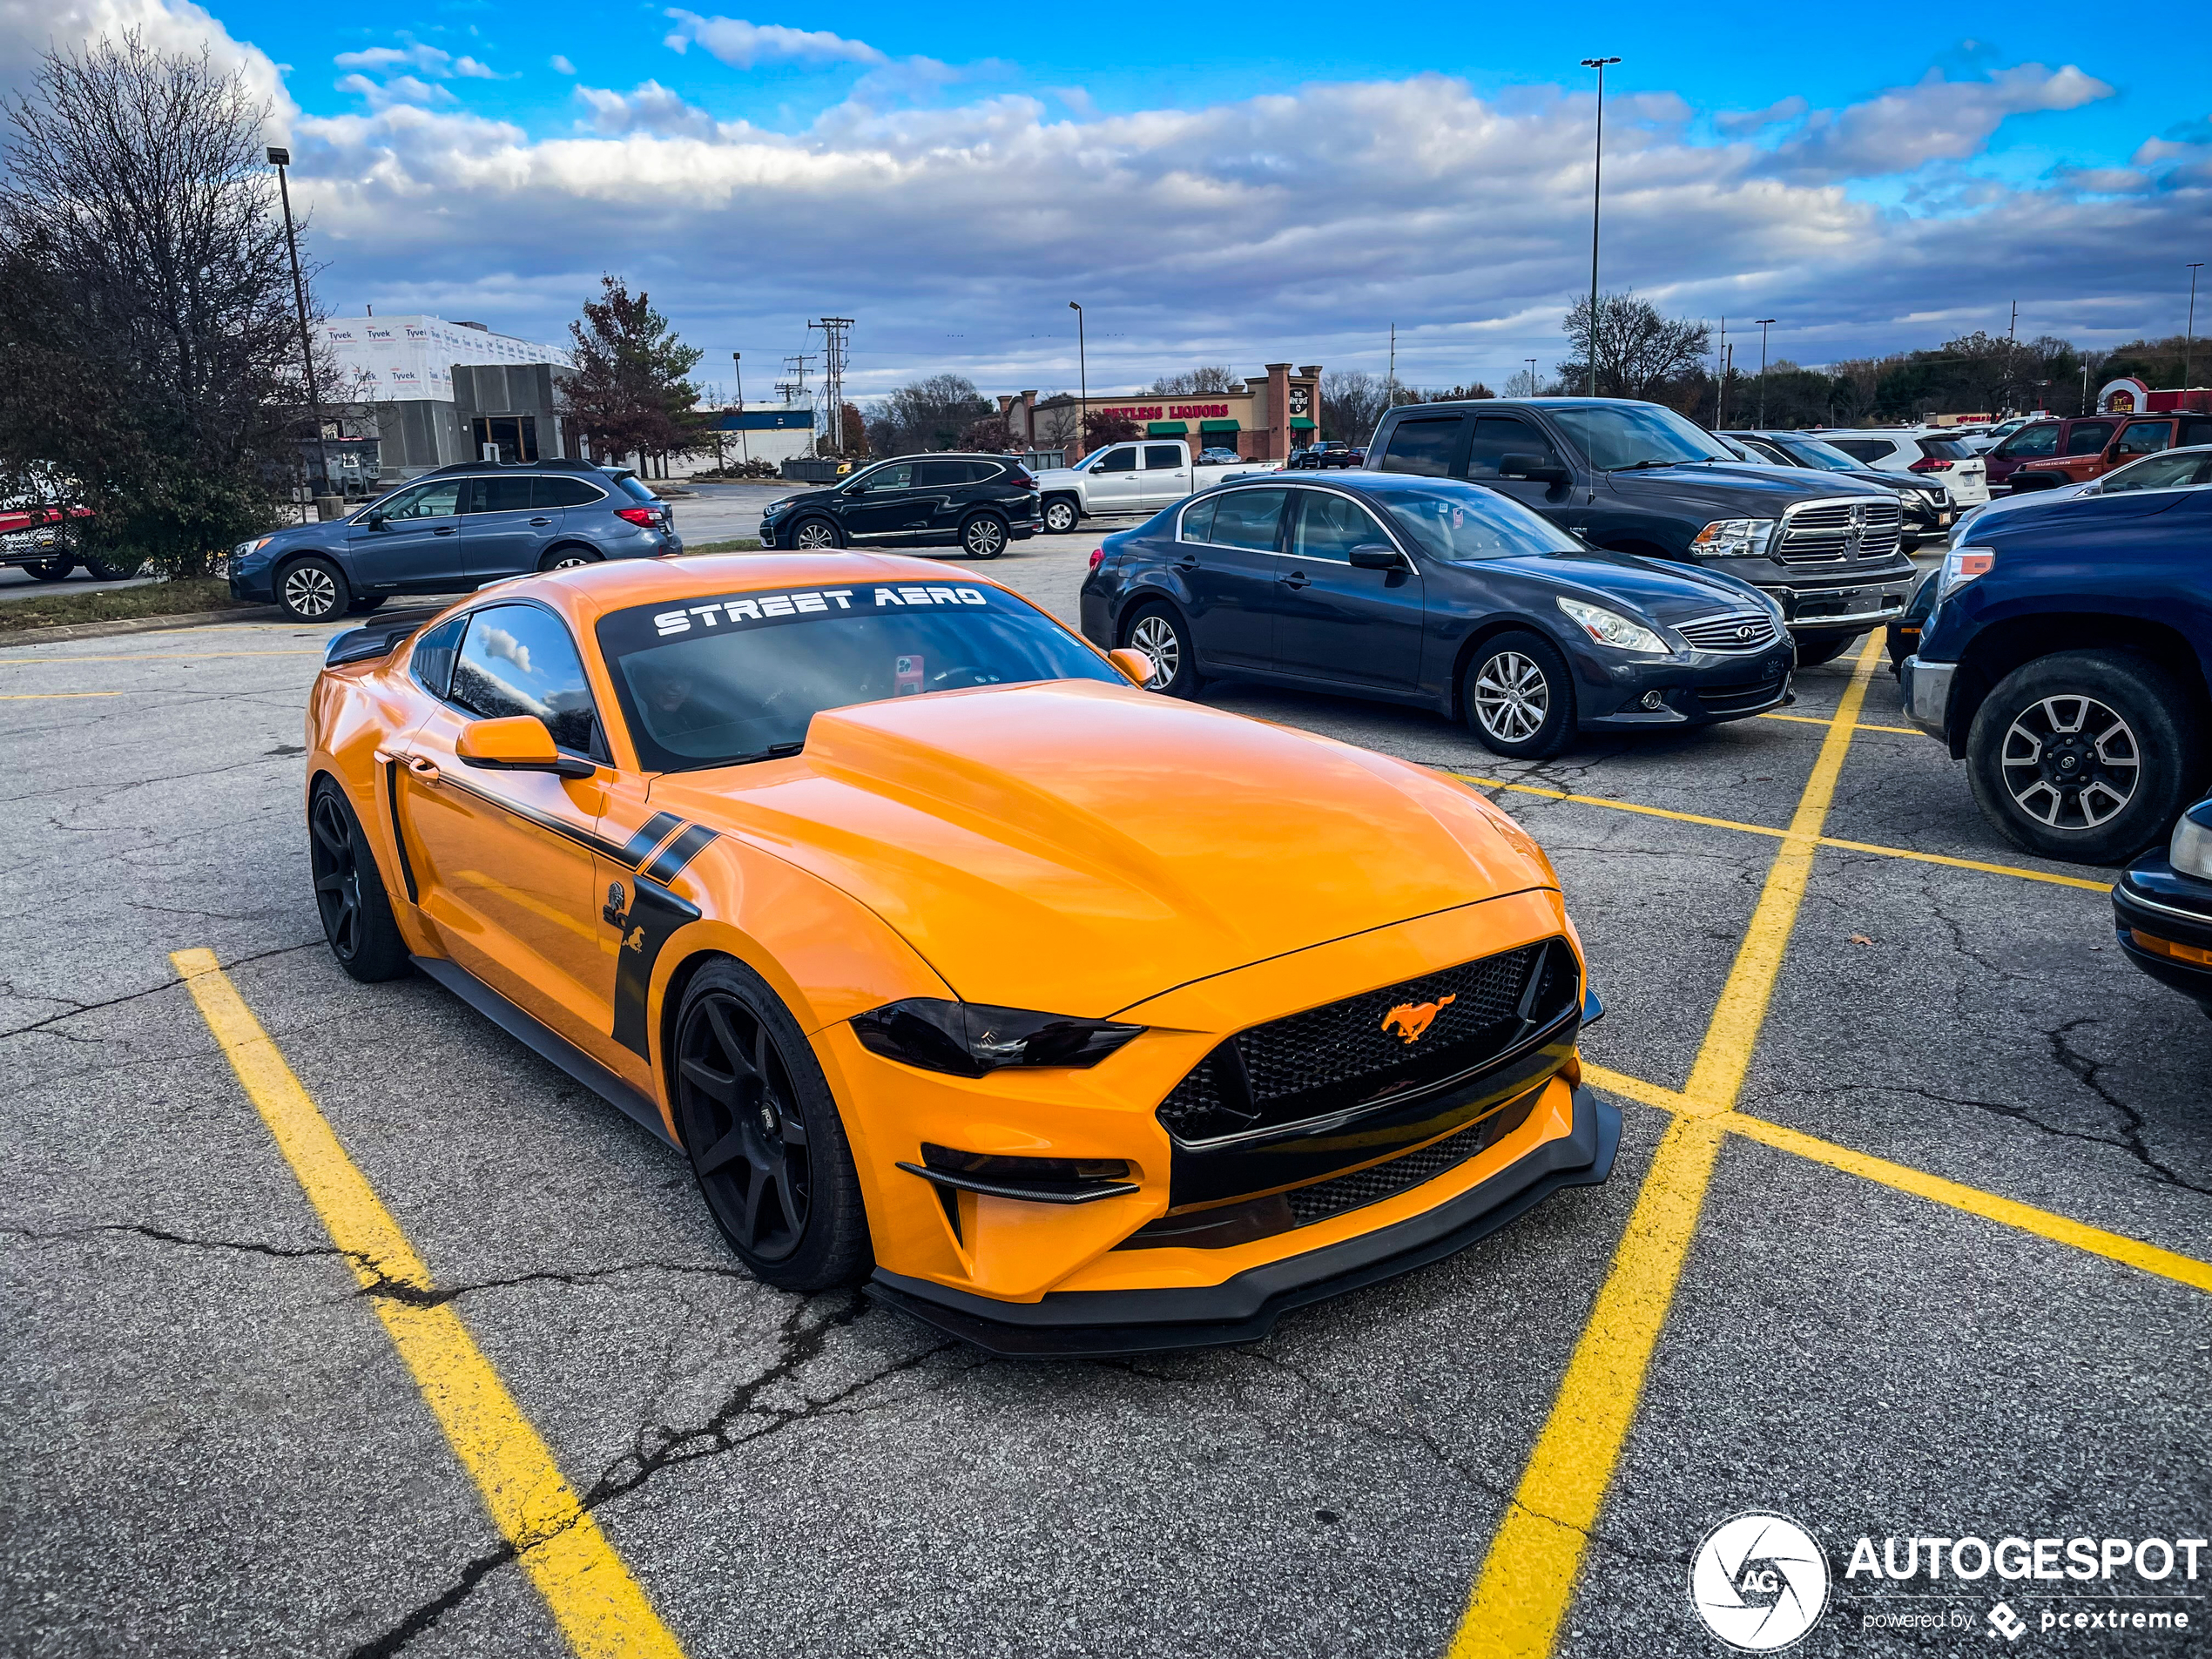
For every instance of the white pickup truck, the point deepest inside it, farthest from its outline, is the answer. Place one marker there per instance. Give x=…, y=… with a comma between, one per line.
x=1139, y=477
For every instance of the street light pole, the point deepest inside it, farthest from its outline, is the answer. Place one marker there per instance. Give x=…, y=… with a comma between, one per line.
x=1763, y=323
x=737, y=366
x=1532, y=376
x=1597, y=181
x=1083, y=380
x=281, y=158
x=2188, y=340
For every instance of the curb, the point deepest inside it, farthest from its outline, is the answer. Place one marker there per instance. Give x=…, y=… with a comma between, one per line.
x=68, y=630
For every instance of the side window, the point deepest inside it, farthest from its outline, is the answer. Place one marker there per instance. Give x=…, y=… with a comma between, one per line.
x=517, y=659
x=1329, y=527
x=984, y=472
x=2088, y=437
x=1498, y=436
x=508, y=494
x=549, y=492
x=2166, y=472
x=1248, y=518
x=1197, y=520
x=2030, y=441
x=2146, y=438
x=940, y=474
x=2194, y=433
x=1163, y=457
x=1117, y=461
x=901, y=476
x=431, y=661
x=1424, y=448
x=1867, y=449
x=439, y=499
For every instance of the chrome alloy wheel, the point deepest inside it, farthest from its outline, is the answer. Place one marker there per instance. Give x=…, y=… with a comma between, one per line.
x=2070, y=763
x=310, y=591
x=569, y=561
x=813, y=536
x=1156, y=637
x=1511, y=698
x=984, y=538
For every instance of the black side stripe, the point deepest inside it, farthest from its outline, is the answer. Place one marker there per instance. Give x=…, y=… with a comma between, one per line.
x=677, y=853
x=654, y=913
x=656, y=829
x=399, y=831
x=559, y=827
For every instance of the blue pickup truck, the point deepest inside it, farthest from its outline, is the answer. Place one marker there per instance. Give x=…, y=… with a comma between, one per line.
x=2069, y=662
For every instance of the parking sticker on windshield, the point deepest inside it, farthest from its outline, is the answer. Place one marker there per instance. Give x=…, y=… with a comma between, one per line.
x=742, y=610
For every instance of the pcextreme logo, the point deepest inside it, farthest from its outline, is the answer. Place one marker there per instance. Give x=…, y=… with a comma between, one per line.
x=1759, y=1581
x=1410, y=1020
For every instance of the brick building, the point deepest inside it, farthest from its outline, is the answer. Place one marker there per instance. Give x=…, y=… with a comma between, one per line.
x=1262, y=419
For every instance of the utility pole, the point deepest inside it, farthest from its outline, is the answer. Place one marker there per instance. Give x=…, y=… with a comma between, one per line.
x=834, y=331
x=1728, y=367
x=1597, y=182
x=1763, y=323
x=2011, y=346
x=281, y=158
x=1390, y=375
x=744, y=445
x=1720, y=378
x=1082, y=382
x=2084, y=387
x=1532, y=376
x=2188, y=340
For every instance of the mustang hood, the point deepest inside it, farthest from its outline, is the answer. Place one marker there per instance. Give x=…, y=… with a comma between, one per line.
x=1076, y=847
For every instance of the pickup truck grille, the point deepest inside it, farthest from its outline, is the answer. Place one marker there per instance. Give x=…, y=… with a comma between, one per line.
x=1737, y=630
x=1828, y=532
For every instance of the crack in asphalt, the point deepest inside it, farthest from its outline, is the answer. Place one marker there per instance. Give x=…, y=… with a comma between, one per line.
x=168, y=984
x=2086, y=1071
x=419, y=1296
x=249, y=1246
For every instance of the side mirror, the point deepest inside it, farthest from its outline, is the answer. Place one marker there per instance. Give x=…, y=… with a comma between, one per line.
x=1135, y=666
x=374, y=521
x=1534, y=469
x=1374, y=555
x=518, y=743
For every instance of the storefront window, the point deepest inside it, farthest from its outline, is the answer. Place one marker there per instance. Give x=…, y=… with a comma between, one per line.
x=514, y=435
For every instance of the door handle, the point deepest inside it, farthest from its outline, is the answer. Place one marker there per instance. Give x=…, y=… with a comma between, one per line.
x=447, y=529
x=541, y=521
x=1188, y=562
x=1297, y=579
x=422, y=767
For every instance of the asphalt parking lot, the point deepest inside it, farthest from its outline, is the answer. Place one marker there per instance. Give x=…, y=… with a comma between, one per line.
x=1908, y=1236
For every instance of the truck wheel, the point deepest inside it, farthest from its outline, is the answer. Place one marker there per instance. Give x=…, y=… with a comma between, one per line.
x=1059, y=516
x=1816, y=648
x=1160, y=633
x=1519, y=697
x=2083, y=755
x=51, y=570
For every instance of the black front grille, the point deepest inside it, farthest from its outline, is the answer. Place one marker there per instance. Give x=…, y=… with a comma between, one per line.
x=1744, y=631
x=1373, y=1048
x=1733, y=700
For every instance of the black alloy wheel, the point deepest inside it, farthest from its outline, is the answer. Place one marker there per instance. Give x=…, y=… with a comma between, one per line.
x=1517, y=696
x=2086, y=756
x=816, y=536
x=1164, y=637
x=764, y=1135
x=983, y=537
x=1059, y=516
x=1816, y=648
x=53, y=570
x=568, y=558
x=312, y=590
x=349, y=892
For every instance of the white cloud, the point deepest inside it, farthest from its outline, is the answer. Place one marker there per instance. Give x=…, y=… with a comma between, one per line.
x=1933, y=120
x=742, y=44
x=560, y=65
x=30, y=27
x=399, y=90
x=417, y=54
x=649, y=108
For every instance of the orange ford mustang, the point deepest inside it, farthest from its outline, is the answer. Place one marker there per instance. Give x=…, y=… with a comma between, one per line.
x=1073, y=1017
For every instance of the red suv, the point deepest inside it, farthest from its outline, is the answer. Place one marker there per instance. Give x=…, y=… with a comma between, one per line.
x=2089, y=446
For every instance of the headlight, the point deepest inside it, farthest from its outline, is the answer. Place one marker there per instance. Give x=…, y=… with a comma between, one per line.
x=1733, y=538
x=2190, y=851
x=1611, y=628
x=775, y=507
x=968, y=1039
x=1960, y=566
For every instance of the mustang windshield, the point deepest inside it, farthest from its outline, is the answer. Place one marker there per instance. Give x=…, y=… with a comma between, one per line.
x=723, y=679
x=1457, y=522
x=1615, y=437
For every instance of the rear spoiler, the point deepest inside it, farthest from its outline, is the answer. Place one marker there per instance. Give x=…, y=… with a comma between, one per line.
x=379, y=639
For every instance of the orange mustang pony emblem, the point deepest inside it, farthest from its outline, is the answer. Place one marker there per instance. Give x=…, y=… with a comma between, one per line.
x=1409, y=1020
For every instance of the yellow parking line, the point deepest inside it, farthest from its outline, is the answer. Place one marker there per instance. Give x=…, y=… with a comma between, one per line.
x=1814, y=720
x=1528, y=1576
x=49, y=697
x=1761, y=829
x=600, y=1607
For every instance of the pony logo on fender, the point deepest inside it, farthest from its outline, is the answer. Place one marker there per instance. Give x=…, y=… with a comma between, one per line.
x=1410, y=1020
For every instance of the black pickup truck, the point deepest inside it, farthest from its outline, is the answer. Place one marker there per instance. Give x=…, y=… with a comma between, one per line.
x=1639, y=478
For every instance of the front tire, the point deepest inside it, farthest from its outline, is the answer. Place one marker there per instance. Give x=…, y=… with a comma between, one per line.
x=1816, y=648
x=1059, y=516
x=1160, y=633
x=349, y=891
x=2082, y=755
x=983, y=537
x=1519, y=697
x=816, y=536
x=313, y=590
x=764, y=1136
x=54, y=569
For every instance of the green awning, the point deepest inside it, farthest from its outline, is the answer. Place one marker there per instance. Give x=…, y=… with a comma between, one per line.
x=1219, y=426
x=1165, y=430
x=1299, y=423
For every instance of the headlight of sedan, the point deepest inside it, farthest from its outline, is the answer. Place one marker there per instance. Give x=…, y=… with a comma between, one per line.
x=1733, y=538
x=1611, y=628
x=968, y=1039
x=2190, y=851
x=1960, y=566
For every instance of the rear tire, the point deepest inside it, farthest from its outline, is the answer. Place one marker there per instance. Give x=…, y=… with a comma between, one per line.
x=762, y=1132
x=983, y=537
x=567, y=558
x=2086, y=756
x=101, y=570
x=313, y=590
x=1519, y=697
x=1816, y=648
x=54, y=569
x=349, y=891
x=1160, y=633
x=1059, y=516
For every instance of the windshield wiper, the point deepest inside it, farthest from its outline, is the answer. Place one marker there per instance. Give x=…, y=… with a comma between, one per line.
x=774, y=751
x=1638, y=466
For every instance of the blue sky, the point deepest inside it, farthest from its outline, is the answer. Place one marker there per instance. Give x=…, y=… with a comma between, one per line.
x=1227, y=189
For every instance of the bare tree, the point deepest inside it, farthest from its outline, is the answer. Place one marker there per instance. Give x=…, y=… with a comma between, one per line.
x=1059, y=422
x=146, y=315
x=924, y=414
x=1638, y=350
x=1351, y=402
x=1207, y=377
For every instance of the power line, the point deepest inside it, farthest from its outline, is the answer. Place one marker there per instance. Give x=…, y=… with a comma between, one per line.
x=834, y=331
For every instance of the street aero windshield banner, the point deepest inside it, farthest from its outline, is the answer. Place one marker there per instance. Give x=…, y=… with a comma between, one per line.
x=629, y=629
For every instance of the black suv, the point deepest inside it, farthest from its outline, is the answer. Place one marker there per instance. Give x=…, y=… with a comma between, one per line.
x=1639, y=478
x=975, y=503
